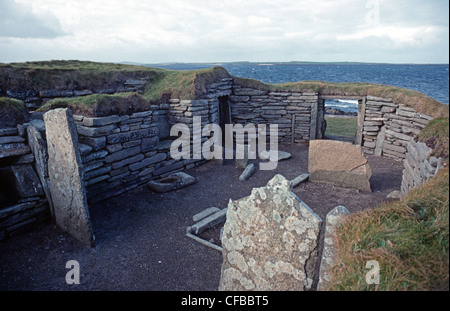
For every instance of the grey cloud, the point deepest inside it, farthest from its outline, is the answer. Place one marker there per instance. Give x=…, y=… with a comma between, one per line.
x=19, y=21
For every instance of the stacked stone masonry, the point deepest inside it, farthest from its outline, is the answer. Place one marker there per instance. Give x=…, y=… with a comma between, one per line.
x=419, y=165
x=33, y=98
x=22, y=199
x=296, y=114
x=388, y=127
x=120, y=153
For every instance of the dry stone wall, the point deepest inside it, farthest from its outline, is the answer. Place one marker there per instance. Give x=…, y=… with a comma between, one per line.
x=22, y=199
x=295, y=113
x=419, y=165
x=34, y=98
x=388, y=127
x=119, y=153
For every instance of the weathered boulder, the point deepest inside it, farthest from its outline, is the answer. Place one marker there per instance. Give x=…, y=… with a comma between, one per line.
x=269, y=240
x=339, y=163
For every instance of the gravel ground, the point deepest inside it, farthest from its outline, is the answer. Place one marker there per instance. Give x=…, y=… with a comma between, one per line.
x=140, y=236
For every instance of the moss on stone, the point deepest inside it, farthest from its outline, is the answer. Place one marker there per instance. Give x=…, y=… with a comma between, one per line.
x=12, y=112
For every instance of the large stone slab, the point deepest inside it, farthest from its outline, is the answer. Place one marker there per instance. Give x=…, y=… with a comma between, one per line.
x=339, y=163
x=13, y=149
x=269, y=240
x=27, y=182
x=66, y=175
x=39, y=149
x=333, y=220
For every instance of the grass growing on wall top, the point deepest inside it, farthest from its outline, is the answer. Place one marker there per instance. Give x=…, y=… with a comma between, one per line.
x=410, y=98
x=10, y=104
x=186, y=84
x=72, y=74
x=436, y=136
x=100, y=105
x=12, y=112
x=189, y=84
x=418, y=101
x=409, y=239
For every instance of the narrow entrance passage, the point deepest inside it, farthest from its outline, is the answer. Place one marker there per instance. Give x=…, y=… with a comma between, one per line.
x=224, y=118
x=341, y=117
x=224, y=114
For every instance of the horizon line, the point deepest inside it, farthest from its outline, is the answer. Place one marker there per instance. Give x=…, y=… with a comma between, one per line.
x=233, y=62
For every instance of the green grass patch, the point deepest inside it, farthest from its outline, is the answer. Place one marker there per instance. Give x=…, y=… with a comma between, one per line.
x=99, y=105
x=186, y=84
x=344, y=127
x=436, y=136
x=10, y=105
x=71, y=74
x=12, y=112
x=79, y=75
x=409, y=239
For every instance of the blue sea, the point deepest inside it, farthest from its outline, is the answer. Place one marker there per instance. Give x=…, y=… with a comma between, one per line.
x=432, y=80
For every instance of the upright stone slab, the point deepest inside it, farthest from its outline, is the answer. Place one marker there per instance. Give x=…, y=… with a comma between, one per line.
x=39, y=149
x=269, y=241
x=339, y=163
x=66, y=175
x=333, y=219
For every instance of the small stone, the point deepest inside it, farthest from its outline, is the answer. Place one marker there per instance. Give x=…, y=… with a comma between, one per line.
x=299, y=179
x=396, y=194
x=248, y=172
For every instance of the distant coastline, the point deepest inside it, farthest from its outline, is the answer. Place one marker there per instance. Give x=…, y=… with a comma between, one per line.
x=265, y=63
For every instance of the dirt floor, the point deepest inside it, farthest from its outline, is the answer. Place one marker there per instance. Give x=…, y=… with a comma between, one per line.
x=140, y=236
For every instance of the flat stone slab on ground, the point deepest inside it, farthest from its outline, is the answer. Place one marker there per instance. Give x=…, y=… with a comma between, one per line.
x=172, y=182
x=209, y=222
x=205, y=213
x=299, y=179
x=282, y=155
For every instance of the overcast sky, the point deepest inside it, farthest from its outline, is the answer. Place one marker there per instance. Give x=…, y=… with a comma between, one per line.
x=154, y=31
